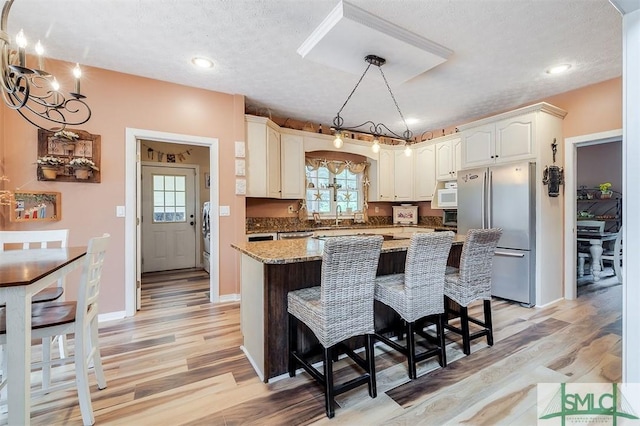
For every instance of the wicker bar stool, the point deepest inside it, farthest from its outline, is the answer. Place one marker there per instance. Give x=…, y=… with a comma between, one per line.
x=418, y=294
x=340, y=308
x=472, y=282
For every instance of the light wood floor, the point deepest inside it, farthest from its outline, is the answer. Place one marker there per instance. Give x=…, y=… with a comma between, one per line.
x=178, y=362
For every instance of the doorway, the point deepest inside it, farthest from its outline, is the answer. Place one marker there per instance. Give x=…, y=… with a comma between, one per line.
x=133, y=202
x=169, y=217
x=570, y=202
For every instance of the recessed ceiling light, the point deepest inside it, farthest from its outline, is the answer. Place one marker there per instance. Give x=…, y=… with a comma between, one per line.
x=411, y=121
x=202, y=62
x=558, y=69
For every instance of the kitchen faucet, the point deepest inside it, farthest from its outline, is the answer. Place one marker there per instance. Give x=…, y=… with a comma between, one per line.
x=338, y=213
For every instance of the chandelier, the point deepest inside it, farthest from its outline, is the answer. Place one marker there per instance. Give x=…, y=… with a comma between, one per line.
x=34, y=92
x=376, y=129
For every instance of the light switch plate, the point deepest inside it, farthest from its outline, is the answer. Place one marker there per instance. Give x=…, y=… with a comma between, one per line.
x=120, y=211
x=225, y=211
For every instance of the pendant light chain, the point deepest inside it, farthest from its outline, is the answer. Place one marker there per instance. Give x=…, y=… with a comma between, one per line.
x=354, y=89
x=408, y=132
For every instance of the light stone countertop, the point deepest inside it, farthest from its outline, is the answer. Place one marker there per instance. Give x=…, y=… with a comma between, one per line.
x=306, y=249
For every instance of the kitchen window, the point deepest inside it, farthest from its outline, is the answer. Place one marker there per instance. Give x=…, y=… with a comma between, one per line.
x=335, y=183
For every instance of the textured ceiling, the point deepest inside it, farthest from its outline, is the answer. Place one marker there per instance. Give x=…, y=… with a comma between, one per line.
x=501, y=50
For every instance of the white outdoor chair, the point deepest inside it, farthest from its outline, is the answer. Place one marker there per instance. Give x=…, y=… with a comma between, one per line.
x=78, y=317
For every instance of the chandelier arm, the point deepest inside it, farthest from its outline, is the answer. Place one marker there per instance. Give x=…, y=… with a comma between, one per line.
x=26, y=90
x=353, y=91
x=407, y=134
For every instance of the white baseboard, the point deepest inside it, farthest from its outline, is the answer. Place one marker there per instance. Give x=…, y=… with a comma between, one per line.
x=252, y=362
x=111, y=316
x=229, y=298
x=550, y=303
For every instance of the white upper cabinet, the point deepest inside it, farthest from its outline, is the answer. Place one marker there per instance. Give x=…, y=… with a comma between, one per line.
x=511, y=139
x=386, y=176
x=262, y=158
x=424, y=172
x=403, y=176
x=448, y=154
x=292, y=166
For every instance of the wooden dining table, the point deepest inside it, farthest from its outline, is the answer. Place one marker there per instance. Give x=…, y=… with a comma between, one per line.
x=595, y=240
x=22, y=274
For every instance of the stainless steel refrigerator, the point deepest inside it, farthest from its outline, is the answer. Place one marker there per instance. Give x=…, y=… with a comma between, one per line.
x=504, y=197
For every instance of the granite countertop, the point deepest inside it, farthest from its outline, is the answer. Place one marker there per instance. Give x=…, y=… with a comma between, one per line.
x=307, y=249
x=354, y=226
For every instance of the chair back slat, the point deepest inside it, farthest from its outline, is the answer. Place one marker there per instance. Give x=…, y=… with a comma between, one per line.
x=36, y=239
x=590, y=226
x=89, y=289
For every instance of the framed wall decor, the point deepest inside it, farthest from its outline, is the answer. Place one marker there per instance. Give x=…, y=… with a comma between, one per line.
x=68, y=155
x=34, y=206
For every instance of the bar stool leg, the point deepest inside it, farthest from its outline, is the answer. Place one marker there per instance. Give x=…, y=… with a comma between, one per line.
x=443, y=345
x=411, y=351
x=371, y=360
x=464, y=326
x=293, y=344
x=328, y=382
x=488, y=323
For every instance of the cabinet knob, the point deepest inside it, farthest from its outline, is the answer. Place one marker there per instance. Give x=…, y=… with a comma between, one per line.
x=497, y=156
x=492, y=156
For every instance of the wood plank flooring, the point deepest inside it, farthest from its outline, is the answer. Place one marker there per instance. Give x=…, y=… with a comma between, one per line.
x=178, y=362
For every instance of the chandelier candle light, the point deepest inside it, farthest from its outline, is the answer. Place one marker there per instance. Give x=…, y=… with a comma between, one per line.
x=378, y=129
x=33, y=92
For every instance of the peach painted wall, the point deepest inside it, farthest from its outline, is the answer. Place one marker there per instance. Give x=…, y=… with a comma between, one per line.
x=592, y=109
x=119, y=101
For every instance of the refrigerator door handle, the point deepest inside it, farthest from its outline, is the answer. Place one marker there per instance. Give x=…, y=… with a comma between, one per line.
x=489, y=201
x=503, y=253
x=483, y=206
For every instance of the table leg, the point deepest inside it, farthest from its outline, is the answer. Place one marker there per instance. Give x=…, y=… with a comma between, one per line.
x=596, y=256
x=18, y=352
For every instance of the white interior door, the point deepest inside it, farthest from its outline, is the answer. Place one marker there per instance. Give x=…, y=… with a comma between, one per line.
x=168, y=218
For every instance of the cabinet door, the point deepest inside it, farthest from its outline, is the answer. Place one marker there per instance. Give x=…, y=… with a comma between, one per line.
x=478, y=146
x=273, y=163
x=515, y=139
x=256, y=160
x=443, y=160
x=292, y=166
x=386, y=175
x=424, y=173
x=456, y=148
x=403, y=176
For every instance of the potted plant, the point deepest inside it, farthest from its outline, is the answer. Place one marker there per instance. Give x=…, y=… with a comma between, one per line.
x=82, y=167
x=605, y=190
x=50, y=166
x=66, y=134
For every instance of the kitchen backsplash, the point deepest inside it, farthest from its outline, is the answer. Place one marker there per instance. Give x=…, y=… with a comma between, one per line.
x=274, y=224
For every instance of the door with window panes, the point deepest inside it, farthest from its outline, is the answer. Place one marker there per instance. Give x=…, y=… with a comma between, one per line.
x=328, y=193
x=168, y=218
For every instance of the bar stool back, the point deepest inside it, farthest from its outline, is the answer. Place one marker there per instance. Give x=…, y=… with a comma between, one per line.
x=471, y=282
x=340, y=308
x=418, y=293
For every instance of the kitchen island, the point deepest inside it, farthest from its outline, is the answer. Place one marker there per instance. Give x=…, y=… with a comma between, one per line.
x=271, y=269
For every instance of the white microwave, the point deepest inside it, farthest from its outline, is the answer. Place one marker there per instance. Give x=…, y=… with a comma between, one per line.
x=447, y=198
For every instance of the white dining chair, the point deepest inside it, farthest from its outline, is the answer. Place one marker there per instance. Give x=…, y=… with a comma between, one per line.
x=25, y=240
x=615, y=256
x=78, y=317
